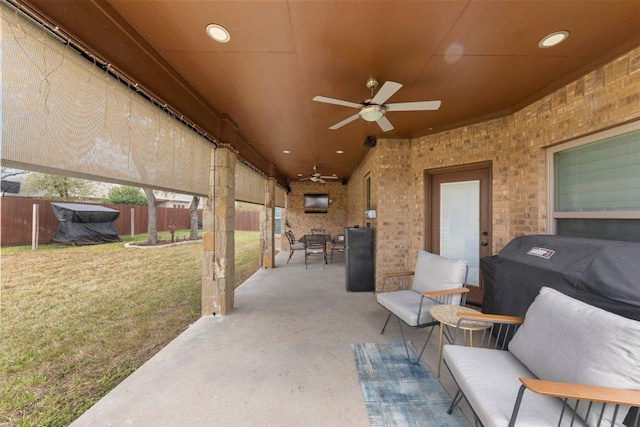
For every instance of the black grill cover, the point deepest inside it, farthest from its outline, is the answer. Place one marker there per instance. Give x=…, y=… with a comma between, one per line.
x=85, y=224
x=602, y=273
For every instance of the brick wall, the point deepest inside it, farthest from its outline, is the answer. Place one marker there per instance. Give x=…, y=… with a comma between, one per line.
x=356, y=189
x=395, y=184
x=301, y=223
x=515, y=146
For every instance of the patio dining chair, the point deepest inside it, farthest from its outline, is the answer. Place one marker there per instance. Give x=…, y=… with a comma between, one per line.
x=337, y=244
x=315, y=244
x=435, y=280
x=293, y=245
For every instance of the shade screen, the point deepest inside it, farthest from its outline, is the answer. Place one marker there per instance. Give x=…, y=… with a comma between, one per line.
x=601, y=176
x=63, y=114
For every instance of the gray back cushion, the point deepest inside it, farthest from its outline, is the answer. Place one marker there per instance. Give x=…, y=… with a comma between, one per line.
x=435, y=273
x=563, y=339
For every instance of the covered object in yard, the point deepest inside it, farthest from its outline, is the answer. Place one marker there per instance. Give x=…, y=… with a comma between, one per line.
x=82, y=224
x=602, y=273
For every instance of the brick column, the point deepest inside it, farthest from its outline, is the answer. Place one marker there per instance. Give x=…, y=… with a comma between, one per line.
x=267, y=225
x=218, y=223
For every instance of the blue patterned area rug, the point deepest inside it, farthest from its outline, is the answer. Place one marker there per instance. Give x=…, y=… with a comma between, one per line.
x=398, y=393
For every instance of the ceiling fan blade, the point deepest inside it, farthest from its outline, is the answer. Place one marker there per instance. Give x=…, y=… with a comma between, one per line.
x=413, y=106
x=303, y=179
x=321, y=181
x=328, y=177
x=384, y=124
x=344, y=122
x=385, y=92
x=336, y=101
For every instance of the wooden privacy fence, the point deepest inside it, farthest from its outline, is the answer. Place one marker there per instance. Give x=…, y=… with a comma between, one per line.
x=16, y=215
x=248, y=220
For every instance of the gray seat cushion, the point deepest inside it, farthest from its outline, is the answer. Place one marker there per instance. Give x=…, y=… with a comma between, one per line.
x=435, y=273
x=490, y=382
x=405, y=305
x=432, y=273
x=563, y=339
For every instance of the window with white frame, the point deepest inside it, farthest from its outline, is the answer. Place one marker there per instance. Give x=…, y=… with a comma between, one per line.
x=594, y=185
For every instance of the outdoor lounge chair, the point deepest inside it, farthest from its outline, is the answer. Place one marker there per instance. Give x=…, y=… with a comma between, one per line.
x=436, y=280
x=567, y=364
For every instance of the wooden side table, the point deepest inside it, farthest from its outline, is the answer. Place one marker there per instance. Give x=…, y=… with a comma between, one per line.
x=447, y=315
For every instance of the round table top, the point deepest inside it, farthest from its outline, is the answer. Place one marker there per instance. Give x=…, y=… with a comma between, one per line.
x=448, y=314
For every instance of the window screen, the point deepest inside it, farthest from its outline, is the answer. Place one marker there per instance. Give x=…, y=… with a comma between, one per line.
x=595, y=185
x=600, y=176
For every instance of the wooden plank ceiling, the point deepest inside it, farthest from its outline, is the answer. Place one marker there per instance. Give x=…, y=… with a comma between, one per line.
x=480, y=58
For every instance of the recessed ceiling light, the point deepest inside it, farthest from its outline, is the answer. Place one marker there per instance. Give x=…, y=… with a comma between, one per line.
x=218, y=33
x=299, y=174
x=286, y=151
x=339, y=151
x=553, y=39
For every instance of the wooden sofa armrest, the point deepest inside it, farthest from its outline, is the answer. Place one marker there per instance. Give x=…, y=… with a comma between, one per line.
x=493, y=318
x=616, y=396
x=444, y=292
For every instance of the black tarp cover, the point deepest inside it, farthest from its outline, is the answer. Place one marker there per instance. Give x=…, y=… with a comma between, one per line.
x=82, y=224
x=602, y=273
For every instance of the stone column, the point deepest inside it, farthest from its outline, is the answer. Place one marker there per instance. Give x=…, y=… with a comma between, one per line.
x=267, y=225
x=218, y=223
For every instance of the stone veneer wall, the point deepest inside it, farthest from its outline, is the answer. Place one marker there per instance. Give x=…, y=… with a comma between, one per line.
x=301, y=223
x=515, y=145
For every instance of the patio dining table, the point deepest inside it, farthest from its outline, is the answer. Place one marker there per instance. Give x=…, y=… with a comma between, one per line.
x=314, y=243
x=315, y=237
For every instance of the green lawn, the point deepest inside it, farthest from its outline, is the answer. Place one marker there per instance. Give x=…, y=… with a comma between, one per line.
x=75, y=321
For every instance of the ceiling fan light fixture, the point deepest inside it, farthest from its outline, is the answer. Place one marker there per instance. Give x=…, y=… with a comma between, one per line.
x=218, y=33
x=553, y=39
x=372, y=113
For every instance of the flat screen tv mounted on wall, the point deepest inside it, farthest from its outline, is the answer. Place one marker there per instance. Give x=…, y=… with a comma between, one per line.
x=316, y=203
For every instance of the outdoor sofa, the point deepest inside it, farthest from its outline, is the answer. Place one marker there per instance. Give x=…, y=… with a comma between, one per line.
x=564, y=348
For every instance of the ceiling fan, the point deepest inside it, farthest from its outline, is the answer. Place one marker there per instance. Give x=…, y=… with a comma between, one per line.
x=374, y=109
x=317, y=177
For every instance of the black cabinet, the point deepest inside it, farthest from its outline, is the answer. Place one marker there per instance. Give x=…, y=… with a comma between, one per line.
x=359, y=259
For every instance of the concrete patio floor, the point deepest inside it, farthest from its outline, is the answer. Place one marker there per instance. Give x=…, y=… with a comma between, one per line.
x=282, y=357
